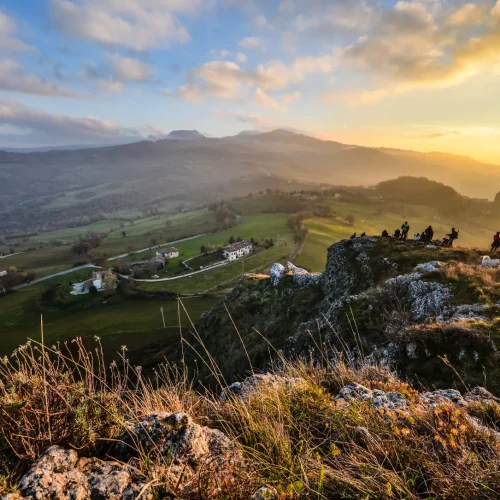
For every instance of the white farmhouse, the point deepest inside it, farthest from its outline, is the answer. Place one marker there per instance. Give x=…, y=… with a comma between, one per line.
x=3, y=272
x=168, y=253
x=237, y=250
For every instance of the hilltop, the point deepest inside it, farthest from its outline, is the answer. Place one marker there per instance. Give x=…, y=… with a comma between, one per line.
x=390, y=302
x=287, y=390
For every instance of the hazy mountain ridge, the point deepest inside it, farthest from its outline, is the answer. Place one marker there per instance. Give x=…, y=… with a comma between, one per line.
x=193, y=161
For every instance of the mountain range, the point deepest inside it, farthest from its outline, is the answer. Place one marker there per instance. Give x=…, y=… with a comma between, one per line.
x=187, y=163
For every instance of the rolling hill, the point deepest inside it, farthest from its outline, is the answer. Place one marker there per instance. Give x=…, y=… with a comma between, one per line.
x=131, y=175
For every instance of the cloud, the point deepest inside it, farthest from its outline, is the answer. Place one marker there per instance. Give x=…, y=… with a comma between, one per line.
x=265, y=100
x=421, y=45
x=253, y=119
x=220, y=54
x=128, y=69
x=438, y=135
x=252, y=42
x=227, y=80
x=468, y=15
x=8, y=41
x=13, y=78
x=49, y=128
x=241, y=58
x=136, y=24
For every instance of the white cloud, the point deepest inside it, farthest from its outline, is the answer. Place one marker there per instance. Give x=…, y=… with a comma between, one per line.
x=253, y=119
x=241, y=58
x=265, y=100
x=52, y=128
x=137, y=24
x=220, y=54
x=468, y=15
x=128, y=69
x=109, y=86
x=13, y=78
x=251, y=42
x=8, y=40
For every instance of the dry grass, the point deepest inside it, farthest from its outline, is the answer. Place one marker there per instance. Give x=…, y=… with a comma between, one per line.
x=294, y=437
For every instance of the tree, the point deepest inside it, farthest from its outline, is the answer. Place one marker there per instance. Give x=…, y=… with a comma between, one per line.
x=231, y=240
x=124, y=234
x=93, y=290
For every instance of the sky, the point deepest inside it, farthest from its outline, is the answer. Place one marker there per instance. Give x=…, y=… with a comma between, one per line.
x=416, y=74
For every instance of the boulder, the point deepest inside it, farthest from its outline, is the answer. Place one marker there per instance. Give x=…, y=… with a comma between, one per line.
x=444, y=396
x=379, y=399
x=59, y=474
x=277, y=272
x=174, y=435
x=258, y=381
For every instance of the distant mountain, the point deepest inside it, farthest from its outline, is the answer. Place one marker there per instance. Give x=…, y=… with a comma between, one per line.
x=185, y=135
x=188, y=166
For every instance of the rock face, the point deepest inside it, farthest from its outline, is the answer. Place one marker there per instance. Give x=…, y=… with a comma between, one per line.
x=379, y=399
x=257, y=382
x=389, y=301
x=175, y=435
x=59, y=474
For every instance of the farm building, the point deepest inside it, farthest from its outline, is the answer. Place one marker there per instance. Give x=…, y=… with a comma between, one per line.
x=237, y=250
x=3, y=272
x=168, y=253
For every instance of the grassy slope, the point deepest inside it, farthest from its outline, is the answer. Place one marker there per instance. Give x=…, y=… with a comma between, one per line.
x=324, y=231
x=119, y=321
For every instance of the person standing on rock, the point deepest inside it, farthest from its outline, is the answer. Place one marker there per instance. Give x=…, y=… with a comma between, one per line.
x=452, y=237
x=429, y=234
x=397, y=234
x=405, y=229
x=496, y=242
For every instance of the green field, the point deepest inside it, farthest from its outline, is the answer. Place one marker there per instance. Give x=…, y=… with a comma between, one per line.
x=117, y=321
x=325, y=231
x=71, y=234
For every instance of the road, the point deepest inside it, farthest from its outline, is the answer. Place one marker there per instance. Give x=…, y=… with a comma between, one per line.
x=89, y=266
x=123, y=255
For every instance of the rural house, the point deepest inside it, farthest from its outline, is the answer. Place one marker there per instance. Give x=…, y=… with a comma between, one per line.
x=168, y=253
x=3, y=272
x=237, y=250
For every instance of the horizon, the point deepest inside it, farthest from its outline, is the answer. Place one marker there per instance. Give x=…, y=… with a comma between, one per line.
x=411, y=75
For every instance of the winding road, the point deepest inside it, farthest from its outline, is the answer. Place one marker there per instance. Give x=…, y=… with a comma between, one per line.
x=90, y=266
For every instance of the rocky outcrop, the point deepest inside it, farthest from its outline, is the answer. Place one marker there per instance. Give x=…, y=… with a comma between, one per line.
x=379, y=399
x=60, y=474
x=258, y=382
x=187, y=444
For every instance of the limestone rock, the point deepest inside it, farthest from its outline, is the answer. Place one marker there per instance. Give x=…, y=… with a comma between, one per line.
x=175, y=435
x=265, y=493
x=380, y=399
x=257, y=382
x=58, y=474
x=54, y=476
x=277, y=272
x=354, y=391
x=440, y=397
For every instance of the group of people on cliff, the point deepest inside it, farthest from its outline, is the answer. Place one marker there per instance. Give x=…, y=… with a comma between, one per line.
x=426, y=236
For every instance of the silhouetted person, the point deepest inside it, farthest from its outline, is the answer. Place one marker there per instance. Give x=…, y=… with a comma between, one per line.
x=353, y=236
x=451, y=237
x=405, y=229
x=385, y=234
x=363, y=235
x=417, y=237
x=429, y=234
x=397, y=234
x=496, y=242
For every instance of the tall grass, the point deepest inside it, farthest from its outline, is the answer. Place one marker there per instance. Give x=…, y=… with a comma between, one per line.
x=293, y=436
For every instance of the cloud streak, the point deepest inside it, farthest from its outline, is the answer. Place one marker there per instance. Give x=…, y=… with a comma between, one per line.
x=41, y=127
